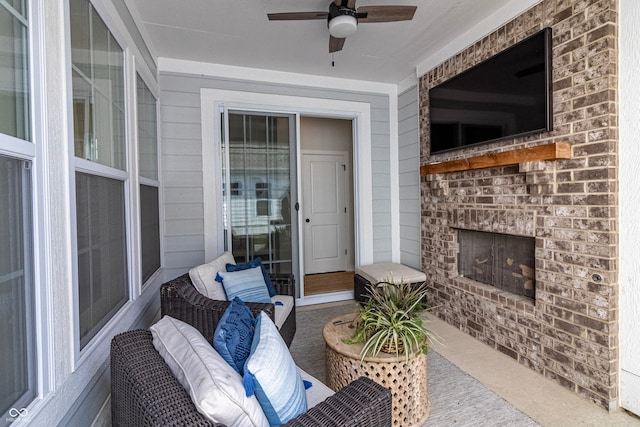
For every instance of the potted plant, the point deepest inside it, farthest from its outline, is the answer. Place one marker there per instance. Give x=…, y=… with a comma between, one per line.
x=391, y=320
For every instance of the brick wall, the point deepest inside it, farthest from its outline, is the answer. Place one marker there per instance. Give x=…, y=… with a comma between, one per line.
x=569, y=333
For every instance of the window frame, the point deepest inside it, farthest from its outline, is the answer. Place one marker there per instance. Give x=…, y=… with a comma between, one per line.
x=34, y=151
x=27, y=75
x=96, y=88
x=77, y=164
x=52, y=170
x=133, y=64
x=31, y=288
x=142, y=71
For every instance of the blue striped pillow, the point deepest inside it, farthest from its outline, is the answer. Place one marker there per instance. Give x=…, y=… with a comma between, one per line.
x=256, y=262
x=273, y=376
x=248, y=285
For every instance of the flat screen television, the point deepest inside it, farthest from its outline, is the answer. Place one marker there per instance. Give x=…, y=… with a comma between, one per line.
x=505, y=96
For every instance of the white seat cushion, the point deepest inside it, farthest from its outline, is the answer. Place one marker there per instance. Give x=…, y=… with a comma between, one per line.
x=390, y=272
x=317, y=392
x=204, y=276
x=283, y=304
x=214, y=386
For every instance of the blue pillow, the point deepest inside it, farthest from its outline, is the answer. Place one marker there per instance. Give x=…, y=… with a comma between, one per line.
x=248, y=285
x=271, y=374
x=234, y=334
x=257, y=262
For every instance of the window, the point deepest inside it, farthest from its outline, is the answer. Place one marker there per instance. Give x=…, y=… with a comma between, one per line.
x=147, y=131
x=236, y=189
x=262, y=199
x=98, y=88
x=150, y=230
x=262, y=190
x=18, y=358
x=17, y=334
x=148, y=165
x=262, y=208
x=100, y=152
x=14, y=70
x=102, y=251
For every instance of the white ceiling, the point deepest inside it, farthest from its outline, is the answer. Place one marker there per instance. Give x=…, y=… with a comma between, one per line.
x=238, y=33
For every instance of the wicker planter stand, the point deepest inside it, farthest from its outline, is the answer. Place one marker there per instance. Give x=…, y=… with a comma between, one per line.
x=406, y=380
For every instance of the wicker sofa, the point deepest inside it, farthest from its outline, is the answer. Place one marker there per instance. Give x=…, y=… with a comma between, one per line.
x=144, y=392
x=180, y=299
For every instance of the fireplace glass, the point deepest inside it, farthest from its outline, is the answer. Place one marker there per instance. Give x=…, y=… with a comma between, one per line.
x=504, y=261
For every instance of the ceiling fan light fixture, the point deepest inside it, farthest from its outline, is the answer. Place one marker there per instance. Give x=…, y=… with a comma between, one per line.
x=343, y=26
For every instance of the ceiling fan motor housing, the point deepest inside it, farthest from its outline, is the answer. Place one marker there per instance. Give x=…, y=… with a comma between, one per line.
x=342, y=21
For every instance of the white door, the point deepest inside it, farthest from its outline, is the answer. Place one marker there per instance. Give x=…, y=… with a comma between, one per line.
x=324, y=212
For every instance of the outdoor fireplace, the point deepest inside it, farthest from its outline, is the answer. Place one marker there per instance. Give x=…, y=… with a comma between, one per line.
x=566, y=206
x=504, y=261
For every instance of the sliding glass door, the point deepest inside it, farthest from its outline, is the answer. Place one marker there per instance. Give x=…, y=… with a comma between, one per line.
x=258, y=154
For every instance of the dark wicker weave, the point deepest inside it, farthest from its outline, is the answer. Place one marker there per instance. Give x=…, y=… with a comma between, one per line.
x=145, y=393
x=362, y=402
x=180, y=300
x=360, y=288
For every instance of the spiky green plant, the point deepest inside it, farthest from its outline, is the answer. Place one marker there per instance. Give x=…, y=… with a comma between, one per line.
x=391, y=318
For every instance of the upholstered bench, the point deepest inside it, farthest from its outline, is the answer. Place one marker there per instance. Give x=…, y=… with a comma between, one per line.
x=391, y=272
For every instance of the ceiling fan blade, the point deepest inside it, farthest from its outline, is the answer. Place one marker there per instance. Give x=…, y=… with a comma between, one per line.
x=351, y=4
x=296, y=16
x=386, y=13
x=335, y=44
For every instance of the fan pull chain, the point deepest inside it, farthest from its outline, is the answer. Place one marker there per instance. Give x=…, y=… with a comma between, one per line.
x=333, y=63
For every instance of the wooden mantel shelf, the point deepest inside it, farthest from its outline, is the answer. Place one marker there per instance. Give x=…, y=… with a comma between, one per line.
x=554, y=151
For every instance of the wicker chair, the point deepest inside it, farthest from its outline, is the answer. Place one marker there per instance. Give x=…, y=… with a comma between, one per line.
x=180, y=300
x=144, y=392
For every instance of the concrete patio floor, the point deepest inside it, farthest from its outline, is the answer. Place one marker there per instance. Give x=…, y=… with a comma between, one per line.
x=543, y=400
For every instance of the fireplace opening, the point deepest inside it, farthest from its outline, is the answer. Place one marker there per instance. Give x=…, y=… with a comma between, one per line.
x=504, y=261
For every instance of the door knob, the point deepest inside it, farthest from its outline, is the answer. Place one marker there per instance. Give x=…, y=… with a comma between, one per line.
x=307, y=220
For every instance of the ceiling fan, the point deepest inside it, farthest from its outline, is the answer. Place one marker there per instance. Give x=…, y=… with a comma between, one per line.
x=343, y=18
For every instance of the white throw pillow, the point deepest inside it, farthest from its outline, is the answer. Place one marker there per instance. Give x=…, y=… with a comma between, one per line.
x=214, y=386
x=204, y=276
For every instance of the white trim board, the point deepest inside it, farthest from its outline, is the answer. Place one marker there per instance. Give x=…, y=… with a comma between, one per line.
x=629, y=246
x=394, y=177
x=324, y=298
x=170, y=65
x=213, y=101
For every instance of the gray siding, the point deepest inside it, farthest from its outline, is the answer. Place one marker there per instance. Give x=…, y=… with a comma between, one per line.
x=409, y=179
x=97, y=391
x=182, y=162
